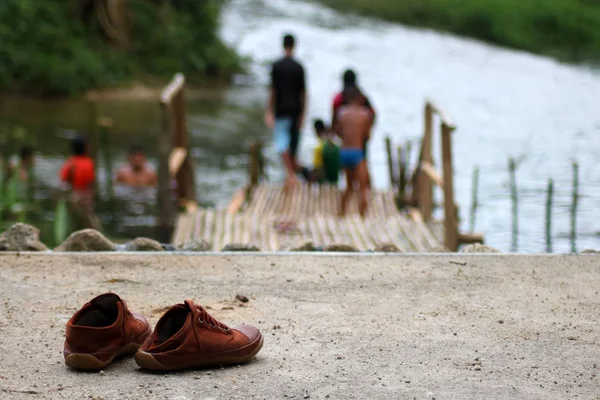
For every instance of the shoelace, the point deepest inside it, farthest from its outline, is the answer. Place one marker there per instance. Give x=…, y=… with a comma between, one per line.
x=210, y=320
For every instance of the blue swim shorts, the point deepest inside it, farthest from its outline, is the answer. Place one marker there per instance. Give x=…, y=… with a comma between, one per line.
x=283, y=134
x=351, y=157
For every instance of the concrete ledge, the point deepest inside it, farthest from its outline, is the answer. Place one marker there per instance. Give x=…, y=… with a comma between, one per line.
x=286, y=254
x=375, y=326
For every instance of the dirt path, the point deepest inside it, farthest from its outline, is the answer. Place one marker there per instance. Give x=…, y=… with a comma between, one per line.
x=376, y=327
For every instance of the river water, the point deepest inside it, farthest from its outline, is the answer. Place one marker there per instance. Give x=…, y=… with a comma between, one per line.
x=505, y=103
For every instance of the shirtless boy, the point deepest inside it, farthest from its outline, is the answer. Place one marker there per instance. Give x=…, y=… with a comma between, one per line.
x=137, y=173
x=353, y=124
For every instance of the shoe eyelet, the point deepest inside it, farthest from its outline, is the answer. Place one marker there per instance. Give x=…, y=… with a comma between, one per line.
x=226, y=329
x=212, y=326
x=200, y=320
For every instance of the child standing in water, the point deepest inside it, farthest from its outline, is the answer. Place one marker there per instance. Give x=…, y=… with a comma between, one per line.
x=78, y=173
x=353, y=124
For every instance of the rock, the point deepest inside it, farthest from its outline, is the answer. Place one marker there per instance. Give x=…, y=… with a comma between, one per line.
x=387, y=248
x=144, y=244
x=195, y=245
x=479, y=248
x=86, y=240
x=241, y=298
x=342, y=248
x=21, y=237
x=240, y=247
x=590, y=251
x=440, y=249
x=308, y=246
x=168, y=247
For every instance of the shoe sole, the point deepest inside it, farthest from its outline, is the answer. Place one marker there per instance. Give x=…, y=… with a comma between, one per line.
x=89, y=362
x=147, y=361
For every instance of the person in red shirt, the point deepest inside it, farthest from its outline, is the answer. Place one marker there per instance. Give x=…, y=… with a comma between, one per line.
x=350, y=82
x=78, y=172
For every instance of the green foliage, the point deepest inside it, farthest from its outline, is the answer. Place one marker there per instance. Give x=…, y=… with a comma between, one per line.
x=188, y=43
x=62, y=223
x=567, y=29
x=13, y=205
x=47, y=48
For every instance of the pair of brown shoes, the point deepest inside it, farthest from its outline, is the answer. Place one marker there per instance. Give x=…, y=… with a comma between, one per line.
x=186, y=336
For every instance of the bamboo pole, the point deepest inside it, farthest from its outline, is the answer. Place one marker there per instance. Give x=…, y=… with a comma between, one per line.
x=402, y=201
x=474, y=202
x=574, y=203
x=185, y=178
x=93, y=142
x=401, y=177
x=388, y=150
x=549, y=195
x=407, y=151
x=450, y=218
x=515, y=210
x=166, y=209
x=254, y=164
x=425, y=185
x=105, y=125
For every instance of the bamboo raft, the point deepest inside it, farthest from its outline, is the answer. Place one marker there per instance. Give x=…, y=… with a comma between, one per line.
x=311, y=215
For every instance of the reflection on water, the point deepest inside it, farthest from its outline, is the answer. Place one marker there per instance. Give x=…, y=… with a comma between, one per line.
x=137, y=209
x=505, y=103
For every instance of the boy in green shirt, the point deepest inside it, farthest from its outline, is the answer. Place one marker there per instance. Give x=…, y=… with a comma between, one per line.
x=326, y=157
x=331, y=161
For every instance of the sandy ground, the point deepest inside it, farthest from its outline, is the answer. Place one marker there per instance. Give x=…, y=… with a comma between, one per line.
x=335, y=326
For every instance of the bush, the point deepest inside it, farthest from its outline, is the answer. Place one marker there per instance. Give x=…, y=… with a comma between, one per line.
x=566, y=29
x=47, y=49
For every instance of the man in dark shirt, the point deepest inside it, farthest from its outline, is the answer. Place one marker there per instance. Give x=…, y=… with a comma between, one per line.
x=286, y=107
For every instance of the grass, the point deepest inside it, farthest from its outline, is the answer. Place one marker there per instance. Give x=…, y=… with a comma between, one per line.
x=565, y=29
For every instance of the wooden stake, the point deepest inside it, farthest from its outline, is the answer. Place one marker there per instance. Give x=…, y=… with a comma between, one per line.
x=450, y=217
x=104, y=125
x=254, y=164
x=185, y=178
x=574, y=203
x=166, y=208
x=549, y=195
x=424, y=183
x=474, y=203
x=93, y=142
x=388, y=149
x=401, y=177
x=406, y=162
x=515, y=210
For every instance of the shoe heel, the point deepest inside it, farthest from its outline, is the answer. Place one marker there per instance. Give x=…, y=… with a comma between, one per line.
x=84, y=361
x=147, y=361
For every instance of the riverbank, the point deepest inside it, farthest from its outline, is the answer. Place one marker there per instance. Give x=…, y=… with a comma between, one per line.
x=109, y=44
x=565, y=29
x=377, y=327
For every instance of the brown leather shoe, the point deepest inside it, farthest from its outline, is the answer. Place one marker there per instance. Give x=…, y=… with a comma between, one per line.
x=188, y=337
x=101, y=331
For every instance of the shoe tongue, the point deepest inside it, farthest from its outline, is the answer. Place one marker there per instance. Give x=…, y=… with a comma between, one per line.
x=191, y=306
x=171, y=326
